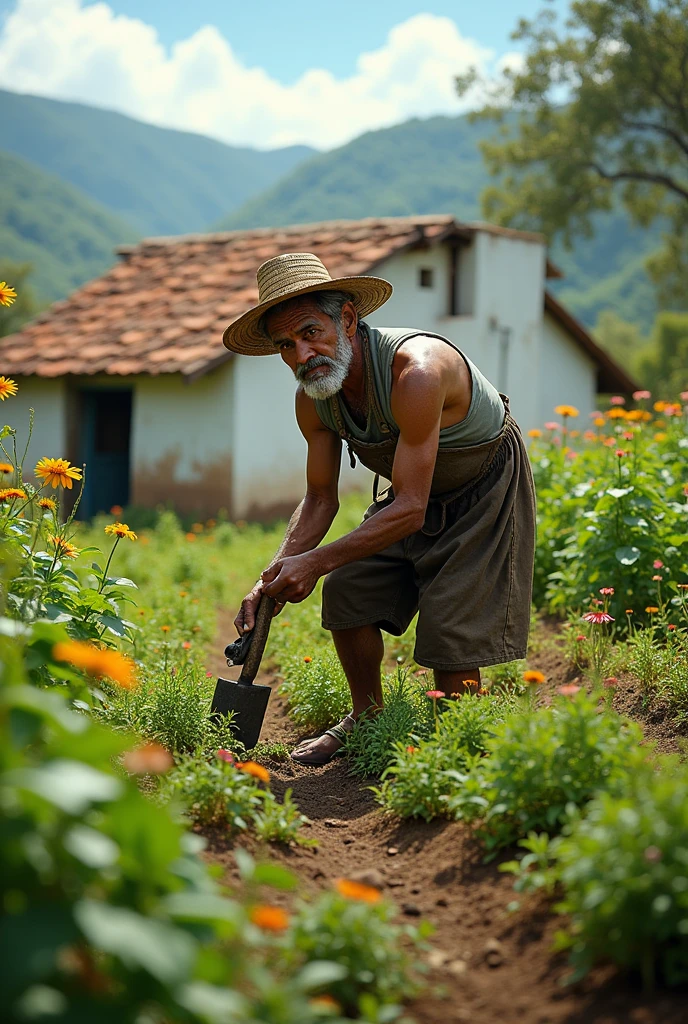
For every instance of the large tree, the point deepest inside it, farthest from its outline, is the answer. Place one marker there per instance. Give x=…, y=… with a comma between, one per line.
x=597, y=114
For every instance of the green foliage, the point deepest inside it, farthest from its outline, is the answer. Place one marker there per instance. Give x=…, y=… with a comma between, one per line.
x=407, y=712
x=363, y=939
x=604, y=519
x=663, y=366
x=213, y=792
x=162, y=181
x=624, y=870
x=170, y=706
x=317, y=690
x=620, y=136
x=24, y=306
x=658, y=658
x=427, y=772
x=541, y=763
x=282, y=822
x=66, y=237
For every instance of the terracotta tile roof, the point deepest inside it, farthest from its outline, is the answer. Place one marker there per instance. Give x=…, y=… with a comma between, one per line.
x=164, y=307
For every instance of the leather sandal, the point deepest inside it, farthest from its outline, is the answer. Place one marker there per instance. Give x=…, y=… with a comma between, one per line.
x=337, y=732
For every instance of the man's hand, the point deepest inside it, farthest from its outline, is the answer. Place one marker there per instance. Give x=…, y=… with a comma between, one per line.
x=292, y=578
x=246, y=618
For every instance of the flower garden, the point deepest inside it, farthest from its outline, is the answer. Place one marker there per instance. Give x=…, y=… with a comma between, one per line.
x=518, y=854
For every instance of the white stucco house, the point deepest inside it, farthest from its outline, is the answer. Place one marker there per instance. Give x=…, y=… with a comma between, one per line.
x=129, y=373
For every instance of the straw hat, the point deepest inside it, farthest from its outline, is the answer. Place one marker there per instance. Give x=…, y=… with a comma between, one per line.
x=285, y=277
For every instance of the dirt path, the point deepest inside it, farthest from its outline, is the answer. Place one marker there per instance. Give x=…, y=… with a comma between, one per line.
x=489, y=966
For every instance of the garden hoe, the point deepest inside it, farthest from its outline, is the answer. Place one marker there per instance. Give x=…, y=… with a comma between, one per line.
x=247, y=701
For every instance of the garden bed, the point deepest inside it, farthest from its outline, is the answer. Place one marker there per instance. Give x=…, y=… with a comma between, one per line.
x=489, y=965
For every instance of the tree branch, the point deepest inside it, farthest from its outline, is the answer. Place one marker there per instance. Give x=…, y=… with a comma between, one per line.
x=662, y=128
x=653, y=179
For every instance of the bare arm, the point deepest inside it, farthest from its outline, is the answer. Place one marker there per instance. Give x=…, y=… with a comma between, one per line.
x=314, y=515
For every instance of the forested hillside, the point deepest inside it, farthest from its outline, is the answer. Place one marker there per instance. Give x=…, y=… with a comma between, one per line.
x=66, y=237
x=159, y=180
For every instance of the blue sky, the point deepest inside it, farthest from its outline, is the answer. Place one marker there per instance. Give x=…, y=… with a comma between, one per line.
x=260, y=73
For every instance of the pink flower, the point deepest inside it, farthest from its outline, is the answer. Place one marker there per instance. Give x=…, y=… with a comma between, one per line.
x=627, y=435
x=596, y=414
x=656, y=579
x=684, y=396
x=568, y=689
x=571, y=455
x=657, y=564
x=552, y=425
x=653, y=854
x=607, y=590
x=225, y=755
x=638, y=396
x=620, y=453
x=435, y=694
x=597, y=618
x=617, y=400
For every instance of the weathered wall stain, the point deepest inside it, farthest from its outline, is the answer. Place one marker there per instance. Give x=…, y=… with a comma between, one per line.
x=207, y=491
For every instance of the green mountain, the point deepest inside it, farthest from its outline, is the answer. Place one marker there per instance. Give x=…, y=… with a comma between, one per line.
x=159, y=180
x=435, y=166
x=66, y=237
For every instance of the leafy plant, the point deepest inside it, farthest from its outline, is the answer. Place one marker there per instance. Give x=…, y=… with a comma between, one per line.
x=277, y=822
x=624, y=869
x=542, y=763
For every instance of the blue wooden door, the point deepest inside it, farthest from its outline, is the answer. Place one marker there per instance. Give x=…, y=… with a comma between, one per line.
x=105, y=438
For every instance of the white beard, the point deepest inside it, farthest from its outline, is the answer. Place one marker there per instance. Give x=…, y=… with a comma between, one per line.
x=327, y=385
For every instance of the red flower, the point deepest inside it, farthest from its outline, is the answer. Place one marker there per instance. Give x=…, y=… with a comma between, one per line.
x=411, y=750
x=186, y=645
x=225, y=755
x=581, y=637
x=671, y=627
x=209, y=675
x=597, y=618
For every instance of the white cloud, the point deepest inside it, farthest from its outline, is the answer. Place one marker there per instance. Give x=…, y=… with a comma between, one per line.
x=60, y=49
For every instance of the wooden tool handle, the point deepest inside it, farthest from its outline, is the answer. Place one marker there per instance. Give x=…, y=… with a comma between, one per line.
x=249, y=670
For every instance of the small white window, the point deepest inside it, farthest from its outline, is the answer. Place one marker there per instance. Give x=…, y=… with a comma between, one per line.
x=425, y=277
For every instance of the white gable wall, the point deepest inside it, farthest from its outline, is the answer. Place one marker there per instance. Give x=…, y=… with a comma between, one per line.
x=48, y=398
x=568, y=375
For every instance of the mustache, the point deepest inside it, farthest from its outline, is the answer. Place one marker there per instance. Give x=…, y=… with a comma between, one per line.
x=301, y=371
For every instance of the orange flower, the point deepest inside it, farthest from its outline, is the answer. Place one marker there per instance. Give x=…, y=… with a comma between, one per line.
x=151, y=759
x=8, y=388
x=96, y=661
x=357, y=891
x=10, y=493
x=47, y=503
x=533, y=676
x=186, y=645
x=308, y=659
x=411, y=750
x=6, y=467
x=7, y=294
x=165, y=629
x=659, y=406
x=651, y=610
x=197, y=527
x=599, y=421
x=120, y=530
x=325, y=1004
x=116, y=511
x=270, y=919
x=64, y=548
x=535, y=432
x=254, y=769
x=566, y=410
x=57, y=472
x=190, y=536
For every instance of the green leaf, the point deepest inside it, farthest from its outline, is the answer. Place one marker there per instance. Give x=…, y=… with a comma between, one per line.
x=91, y=847
x=319, y=973
x=121, y=581
x=627, y=555
x=115, y=625
x=202, y=906
x=275, y=876
x=70, y=785
x=140, y=942
x=213, y=1003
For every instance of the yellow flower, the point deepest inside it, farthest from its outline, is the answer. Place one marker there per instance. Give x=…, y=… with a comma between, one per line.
x=256, y=770
x=7, y=388
x=7, y=294
x=617, y=413
x=10, y=493
x=57, y=472
x=6, y=467
x=532, y=676
x=64, y=547
x=357, y=891
x=120, y=530
x=96, y=661
x=47, y=503
x=599, y=422
x=661, y=436
x=659, y=406
x=566, y=410
x=535, y=432
x=270, y=919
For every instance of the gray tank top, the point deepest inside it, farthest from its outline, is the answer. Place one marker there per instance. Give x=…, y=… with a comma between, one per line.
x=482, y=423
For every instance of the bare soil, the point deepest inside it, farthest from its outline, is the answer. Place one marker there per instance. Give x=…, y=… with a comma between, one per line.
x=488, y=965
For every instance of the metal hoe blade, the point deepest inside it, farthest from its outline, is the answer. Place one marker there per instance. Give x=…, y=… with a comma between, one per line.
x=243, y=697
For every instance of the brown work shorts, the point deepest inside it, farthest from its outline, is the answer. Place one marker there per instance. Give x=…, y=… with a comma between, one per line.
x=468, y=573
